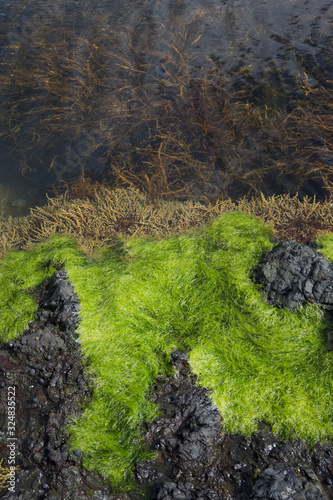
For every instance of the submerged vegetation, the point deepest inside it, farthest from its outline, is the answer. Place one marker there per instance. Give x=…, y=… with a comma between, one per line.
x=140, y=299
x=165, y=119
x=151, y=276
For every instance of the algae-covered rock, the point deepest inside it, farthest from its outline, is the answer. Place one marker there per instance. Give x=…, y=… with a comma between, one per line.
x=47, y=370
x=140, y=300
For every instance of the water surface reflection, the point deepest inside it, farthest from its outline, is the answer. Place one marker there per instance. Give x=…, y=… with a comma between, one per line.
x=181, y=98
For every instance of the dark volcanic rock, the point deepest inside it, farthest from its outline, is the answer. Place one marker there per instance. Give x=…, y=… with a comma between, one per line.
x=46, y=368
x=187, y=436
x=293, y=274
x=281, y=482
x=195, y=458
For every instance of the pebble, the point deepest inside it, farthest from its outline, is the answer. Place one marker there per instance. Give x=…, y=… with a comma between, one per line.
x=32, y=372
x=11, y=343
x=76, y=452
x=34, y=400
x=2, y=384
x=328, y=481
x=41, y=381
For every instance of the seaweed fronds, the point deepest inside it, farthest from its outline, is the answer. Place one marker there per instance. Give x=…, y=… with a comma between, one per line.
x=104, y=214
x=144, y=298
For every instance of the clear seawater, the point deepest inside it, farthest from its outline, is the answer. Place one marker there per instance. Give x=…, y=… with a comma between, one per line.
x=144, y=88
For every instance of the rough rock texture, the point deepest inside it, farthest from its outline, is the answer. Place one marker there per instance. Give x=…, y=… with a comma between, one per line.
x=187, y=436
x=195, y=459
x=47, y=369
x=281, y=482
x=293, y=274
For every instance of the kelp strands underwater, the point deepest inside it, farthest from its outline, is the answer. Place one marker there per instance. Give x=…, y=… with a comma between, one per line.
x=174, y=106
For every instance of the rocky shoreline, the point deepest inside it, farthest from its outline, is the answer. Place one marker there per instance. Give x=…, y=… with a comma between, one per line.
x=194, y=457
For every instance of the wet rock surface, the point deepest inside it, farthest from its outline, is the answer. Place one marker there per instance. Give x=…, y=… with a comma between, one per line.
x=280, y=482
x=293, y=274
x=187, y=437
x=195, y=459
x=47, y=370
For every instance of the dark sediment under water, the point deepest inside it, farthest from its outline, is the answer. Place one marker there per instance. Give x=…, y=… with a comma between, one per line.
x=183, y=99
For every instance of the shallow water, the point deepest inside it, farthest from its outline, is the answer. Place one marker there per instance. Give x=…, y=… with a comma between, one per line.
x=180, y=98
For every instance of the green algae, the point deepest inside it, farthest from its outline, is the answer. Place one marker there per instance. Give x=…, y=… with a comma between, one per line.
x=143, y=298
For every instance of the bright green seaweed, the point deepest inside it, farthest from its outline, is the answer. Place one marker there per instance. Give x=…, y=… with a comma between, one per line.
x=142, y=299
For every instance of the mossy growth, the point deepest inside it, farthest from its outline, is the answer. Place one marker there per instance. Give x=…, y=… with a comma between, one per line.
x=143, y=298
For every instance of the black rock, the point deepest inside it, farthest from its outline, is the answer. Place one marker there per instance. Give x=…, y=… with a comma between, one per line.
x=196, y=458
x=281, y=482
x=42, y=440
x=293, y=274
